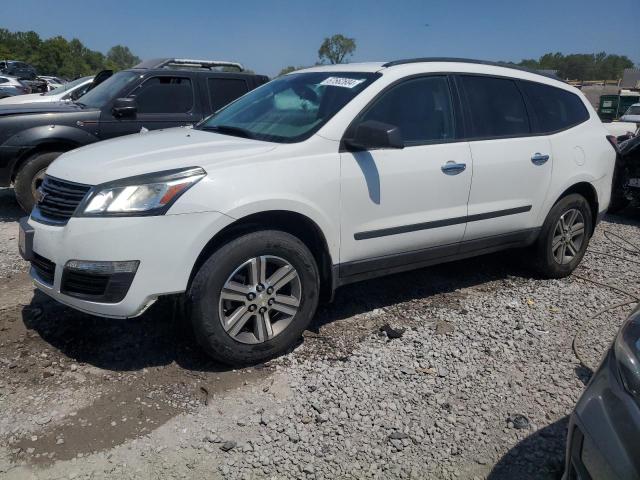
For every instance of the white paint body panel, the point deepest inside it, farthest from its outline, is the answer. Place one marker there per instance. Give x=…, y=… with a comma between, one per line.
x=391, y=188
x=342, y=193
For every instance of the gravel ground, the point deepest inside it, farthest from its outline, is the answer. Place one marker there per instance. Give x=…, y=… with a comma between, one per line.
x=464, y=370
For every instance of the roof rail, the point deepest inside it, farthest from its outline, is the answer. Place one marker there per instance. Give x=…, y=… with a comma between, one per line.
x=188, y=62
x=469, y=60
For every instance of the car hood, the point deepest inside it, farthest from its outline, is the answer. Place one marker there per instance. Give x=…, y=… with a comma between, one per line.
x=41, y=107
x=151, y=152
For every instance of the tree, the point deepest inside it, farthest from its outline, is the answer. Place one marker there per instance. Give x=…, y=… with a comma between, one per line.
x=120, y=57
x=57, y=56
x=336, y=48
x=582, y=66
x=289, y=69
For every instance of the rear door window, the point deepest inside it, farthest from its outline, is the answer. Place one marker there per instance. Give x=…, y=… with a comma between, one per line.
x=496, y=107
x=555, y=109
x=164, y=95
x=225, y=90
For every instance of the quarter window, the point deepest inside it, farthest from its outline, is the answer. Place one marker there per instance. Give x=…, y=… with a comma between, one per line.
x=496, y=107
x=420, y=108
x=225, y=90
x=164, y=95
x=555, y=109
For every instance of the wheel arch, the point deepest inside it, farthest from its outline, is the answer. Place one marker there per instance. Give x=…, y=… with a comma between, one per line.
x=589, y=192
x=44, y=147
x=294, y=223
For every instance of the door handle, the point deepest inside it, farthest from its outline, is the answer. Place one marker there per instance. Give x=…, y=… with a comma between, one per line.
x=539, y=158
x=453, y=168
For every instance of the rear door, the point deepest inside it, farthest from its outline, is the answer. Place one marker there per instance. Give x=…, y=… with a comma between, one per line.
x=163, y=101
x=511, y=165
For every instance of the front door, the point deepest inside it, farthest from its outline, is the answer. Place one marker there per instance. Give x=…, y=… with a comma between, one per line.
x=399, y=206
x=162, y=101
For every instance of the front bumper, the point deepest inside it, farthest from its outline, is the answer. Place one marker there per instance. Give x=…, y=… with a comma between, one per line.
x=604, y=430
x=166, y=246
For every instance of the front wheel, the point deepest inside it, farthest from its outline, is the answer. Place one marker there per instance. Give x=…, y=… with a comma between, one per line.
x=564, y=237
x=253, y=298
x=30, y=177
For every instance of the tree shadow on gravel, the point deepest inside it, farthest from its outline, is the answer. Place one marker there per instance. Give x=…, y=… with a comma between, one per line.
x=156, y=338
x=539, y=456
x=9, y=209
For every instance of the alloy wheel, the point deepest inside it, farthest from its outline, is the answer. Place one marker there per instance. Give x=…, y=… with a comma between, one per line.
x=260, y=299
x=568, y=236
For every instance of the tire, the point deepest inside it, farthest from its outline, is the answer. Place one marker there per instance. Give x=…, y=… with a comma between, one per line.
x=207, y=310
x=28, y=175
x=546, y=258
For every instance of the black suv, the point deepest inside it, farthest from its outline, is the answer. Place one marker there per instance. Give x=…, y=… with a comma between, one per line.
x=155, y=94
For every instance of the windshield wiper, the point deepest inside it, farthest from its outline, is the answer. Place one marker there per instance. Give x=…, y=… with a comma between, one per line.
x=82, y=105
x=229, y=129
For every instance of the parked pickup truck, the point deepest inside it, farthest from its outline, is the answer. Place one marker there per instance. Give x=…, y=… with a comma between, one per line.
x=155, y=94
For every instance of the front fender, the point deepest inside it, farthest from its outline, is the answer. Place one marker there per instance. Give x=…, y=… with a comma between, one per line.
x=43, y=134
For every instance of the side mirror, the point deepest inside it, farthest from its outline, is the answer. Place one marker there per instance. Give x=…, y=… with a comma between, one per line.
x=125, y=107
x=372, y=135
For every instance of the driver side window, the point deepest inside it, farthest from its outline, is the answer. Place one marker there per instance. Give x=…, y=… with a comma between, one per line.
x=421, y=108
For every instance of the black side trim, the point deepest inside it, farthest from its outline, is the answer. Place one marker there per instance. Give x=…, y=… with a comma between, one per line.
x=383, y=232
x=375, y=267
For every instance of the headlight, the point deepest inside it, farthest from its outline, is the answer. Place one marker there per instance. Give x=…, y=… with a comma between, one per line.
x=627, y=353
x=142, y=195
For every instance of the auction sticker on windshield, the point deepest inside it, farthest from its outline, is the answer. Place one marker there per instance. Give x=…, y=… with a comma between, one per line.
x=341, y=82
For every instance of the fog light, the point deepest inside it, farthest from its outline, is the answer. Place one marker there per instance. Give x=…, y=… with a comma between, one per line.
x=103, y=268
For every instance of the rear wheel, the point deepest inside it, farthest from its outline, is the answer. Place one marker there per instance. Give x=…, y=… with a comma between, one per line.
x=30, y=177
x=253, y=298
x=564, y=237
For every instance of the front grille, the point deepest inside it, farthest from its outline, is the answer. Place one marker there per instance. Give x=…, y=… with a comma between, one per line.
x=44, y=268
x=59, y=199
x=84, y=284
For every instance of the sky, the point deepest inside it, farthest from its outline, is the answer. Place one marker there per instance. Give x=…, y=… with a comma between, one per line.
x=269, y=35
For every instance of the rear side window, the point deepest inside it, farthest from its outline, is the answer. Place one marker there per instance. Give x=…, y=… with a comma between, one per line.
x=164, y=95
x=420, y=107
x=496, y=107
x=555, y=109
x=225, y=90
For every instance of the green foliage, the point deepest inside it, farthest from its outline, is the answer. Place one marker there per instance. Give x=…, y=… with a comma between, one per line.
x=58, y=56
x=120, y=57
x=289, y=69
x=582, y=66
x=336, y=48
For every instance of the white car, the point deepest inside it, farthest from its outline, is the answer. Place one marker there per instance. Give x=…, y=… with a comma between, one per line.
x=317, y=179
x=68, y=91
x=10, y=87
x=632, y=114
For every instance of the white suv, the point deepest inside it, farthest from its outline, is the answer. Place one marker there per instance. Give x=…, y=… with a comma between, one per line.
x=317, y=179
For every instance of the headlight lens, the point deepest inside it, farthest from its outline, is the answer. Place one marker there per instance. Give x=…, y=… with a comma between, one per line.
x=143, y=195
x=627, y=353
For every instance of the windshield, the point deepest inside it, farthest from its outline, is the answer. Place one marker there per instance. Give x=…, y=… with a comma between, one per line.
x=67, y=86
x=291, y=108
x=107, y=90
x=633, y=110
